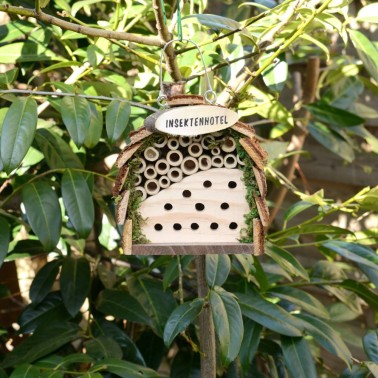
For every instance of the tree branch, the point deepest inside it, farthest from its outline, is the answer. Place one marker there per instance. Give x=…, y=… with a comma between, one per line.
x=93, y=32
x=165, y=36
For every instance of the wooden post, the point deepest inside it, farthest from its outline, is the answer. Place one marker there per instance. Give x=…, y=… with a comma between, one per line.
x=206, y=325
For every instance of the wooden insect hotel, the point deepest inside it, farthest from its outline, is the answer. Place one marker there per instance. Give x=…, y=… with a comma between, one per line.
x=191, y=181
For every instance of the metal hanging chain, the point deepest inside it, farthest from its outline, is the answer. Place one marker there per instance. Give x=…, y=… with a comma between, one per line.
x=209, y=95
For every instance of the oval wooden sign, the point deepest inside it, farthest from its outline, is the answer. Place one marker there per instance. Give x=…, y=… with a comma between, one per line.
x=195, y=120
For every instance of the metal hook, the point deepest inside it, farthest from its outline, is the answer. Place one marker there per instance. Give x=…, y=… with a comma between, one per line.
x=209, y=95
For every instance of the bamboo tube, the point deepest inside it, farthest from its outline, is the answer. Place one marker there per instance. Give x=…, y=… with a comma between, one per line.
x=189, y=165
x=174, y=158
x=240, y=161
x=195, y=150
x=184, y=141
x=217, y=161
x=162, y=166
x=204, y=162
x=228, y=145
x=152, y=187
x=161, y=143
x=206, y=141
x=215, y=151
x=230, y=161
x=175, y=174
x=217, y=134
x=173, y=144
x=151, y=154
x=164, y=182
x=142, y=192
x=142, y=166
x=138, y=180
x=197, y=138
x=150, y=172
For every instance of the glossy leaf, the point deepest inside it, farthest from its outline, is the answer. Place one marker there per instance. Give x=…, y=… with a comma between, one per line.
x=45, y=340
x=43, y=281
x=76, y=115
x=78, y=202
x=103, y=347
x=172, y=272
x=57, y=152
x=228, y=324
x=217, y=269
x=334, y=116
x=367, y=52
x=15, y=30
x=296, y=209
x=4, y=239
x=362, y=291
x=43, y=212
x=121, y=305
x=75, y=281
x=250, y=343
x=8, y=77
x=298, y=357
x=370, y=342
x=80, y=4
x=302, y=299
x=326, y=336
x=214, y=21
x=276, y=74
x=95, y=127
x=25, y=371
x=269, y=315
x=354, y=252
x=17, y=132
x=22, y=52
x=158, y=304
x=331, y=140
x=117, y=119
x=287, y=261
x=369, y=13
x=180, y=319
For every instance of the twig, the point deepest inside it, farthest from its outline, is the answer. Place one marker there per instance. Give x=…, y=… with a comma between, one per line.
x=89, y=31
x=63, y=94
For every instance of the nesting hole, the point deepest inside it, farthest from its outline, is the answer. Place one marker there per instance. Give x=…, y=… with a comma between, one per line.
x=224, y=206
x=190, y=164
x=177, y=226
x=175, y=173
x=162, y=166
x=214, y=226
x=217, y=160
x=168, y=206
x=195, y=148
x=194, y=226
x=230, y=160
x=233, y=226
x=204, y=162
x=207, y=184
x=152, y=185
x=187, y=193
x=232, y=184
x=175, y=157
x=200, y=206
x=158, y=227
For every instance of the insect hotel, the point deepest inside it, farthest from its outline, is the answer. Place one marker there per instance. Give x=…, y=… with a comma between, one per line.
x=191, y=181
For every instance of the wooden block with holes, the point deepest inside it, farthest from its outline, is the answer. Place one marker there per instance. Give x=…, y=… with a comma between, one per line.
x=192, y=194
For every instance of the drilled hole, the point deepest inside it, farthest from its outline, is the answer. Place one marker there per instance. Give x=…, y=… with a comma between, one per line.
x=233, y=226
x=225, y=206
x=168, y=206
x=194, y=226
x=214, y=226
x=187, y=193
x=177, y=226
x=232, y=184
x=207, y=184
x=158, y=227
x=200, y=206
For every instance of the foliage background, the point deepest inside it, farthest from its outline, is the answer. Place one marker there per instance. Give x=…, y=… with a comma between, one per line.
x=298, y=70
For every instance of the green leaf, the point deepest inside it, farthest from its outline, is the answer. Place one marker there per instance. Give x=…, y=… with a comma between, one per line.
x=373, y=368
x=43, y=281
x=269, y=315
x=302, y=299
x=45, y=340
x=121, y=305
x=370, y=200
x=326, y=336
x=334, y=116
x=18, y=132
x=228, y=324
x=217, y=269
x=75, y=281
x=186, y=364
x=331, y=140
x=180, y=319
x=8, y=77
x=295, y=209
x=117, y=119
x=76, y=115
x=368, y=13
x=4, y=239
x=172, y=272
x=275, y=76
x=298, y=357
x=370, y=342
x=367, y=52
x=287, y=261
x=22, y=52
x=57, y=152
x=250, y=343
x=215, y=22
x=14, y=30
x=25, y=371
x=125, y=369
x=316, y=42
x=355, y=252
x=95, y=127
x=75, y=358
x=362, y=291
x=80, y=4
x=158, y=304
x=78, y=202
x=103, y=347
x=43, y=212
